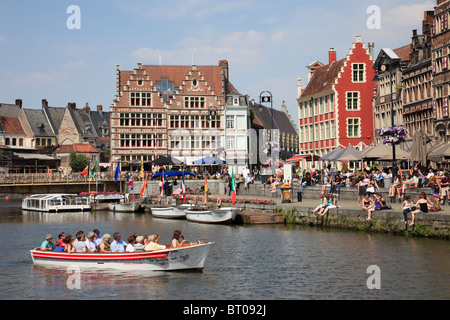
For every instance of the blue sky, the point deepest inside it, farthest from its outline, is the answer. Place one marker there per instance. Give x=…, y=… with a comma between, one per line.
x=267, y=43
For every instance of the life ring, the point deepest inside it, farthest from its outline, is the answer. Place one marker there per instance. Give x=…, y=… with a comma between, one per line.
x=219, y=202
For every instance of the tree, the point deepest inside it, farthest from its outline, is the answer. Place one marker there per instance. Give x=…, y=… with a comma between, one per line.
x=78, y=161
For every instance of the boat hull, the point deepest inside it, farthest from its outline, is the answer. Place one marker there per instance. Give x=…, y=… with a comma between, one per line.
x=187, y=257
x=222, y=215
x=178, y=212
x=124, y=207
x=56, y=203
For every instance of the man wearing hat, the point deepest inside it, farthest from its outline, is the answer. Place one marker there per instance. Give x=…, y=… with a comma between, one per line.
x=97, y=239
x=47, y=245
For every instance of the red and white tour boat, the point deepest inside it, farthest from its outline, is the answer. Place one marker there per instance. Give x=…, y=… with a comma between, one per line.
x=190, y=256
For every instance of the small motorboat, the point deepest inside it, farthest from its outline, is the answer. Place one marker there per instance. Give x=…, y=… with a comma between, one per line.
x=191, y=256
x=171, y=212
x=124, y=207
x=56, y=202
x=203, y=215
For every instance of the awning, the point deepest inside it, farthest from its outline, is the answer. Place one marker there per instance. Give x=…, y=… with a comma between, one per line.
x=299, y=158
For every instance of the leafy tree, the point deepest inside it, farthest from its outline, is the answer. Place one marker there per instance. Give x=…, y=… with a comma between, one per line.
x=78, y=161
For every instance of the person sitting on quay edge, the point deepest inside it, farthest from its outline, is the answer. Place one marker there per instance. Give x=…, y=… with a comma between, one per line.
x=118, y=245
x=177, y=236
x=47, y=244
x=105, y=246
x=154, y=243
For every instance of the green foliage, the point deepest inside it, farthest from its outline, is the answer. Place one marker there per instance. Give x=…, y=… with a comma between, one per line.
x=78, y=161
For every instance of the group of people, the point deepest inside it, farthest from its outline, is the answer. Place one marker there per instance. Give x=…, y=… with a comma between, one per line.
x=103, y=244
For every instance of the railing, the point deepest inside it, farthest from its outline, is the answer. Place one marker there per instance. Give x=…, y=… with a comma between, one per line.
x=44, y=178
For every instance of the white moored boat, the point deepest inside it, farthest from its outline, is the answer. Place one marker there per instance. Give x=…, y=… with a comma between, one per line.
x=173, y=212
x=56, y=202
x=222, y=215
x=186, y=257
x=125, y=207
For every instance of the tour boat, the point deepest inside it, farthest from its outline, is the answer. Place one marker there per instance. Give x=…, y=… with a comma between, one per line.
x=124, y=207
x=173, y=212
x=191, y=256
x=56, y=202
x=221, y=215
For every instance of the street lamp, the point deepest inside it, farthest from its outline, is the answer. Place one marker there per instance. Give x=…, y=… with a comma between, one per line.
x=268, y=98
x=389, y=58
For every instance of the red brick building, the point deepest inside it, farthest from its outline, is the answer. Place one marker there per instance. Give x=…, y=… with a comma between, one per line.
x=335, y=108
x=160, y=110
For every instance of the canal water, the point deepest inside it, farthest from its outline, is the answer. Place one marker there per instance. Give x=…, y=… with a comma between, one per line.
x=259, y=262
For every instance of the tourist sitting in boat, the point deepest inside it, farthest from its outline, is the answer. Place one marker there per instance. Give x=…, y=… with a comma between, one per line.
x=69, y=244
x=48, y=245
x=139, y=244
x=80, y=244
x=90, y=245
x=97, y=239
x=131, y=242
x=177, y=236
x=105, y=246
x=154, y=243
x=118, y=245
x=60, y=244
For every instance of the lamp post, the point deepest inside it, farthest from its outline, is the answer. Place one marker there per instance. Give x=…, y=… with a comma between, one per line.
x=388, y=57
x=268, y=98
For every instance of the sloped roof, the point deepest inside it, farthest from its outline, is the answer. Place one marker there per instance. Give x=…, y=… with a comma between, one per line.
x=323, y=78
x=403, y=52
x=9, y=110
x=77, y=147
x=11, y=125
x=98, y=118
x=263, y=118
x=39, y=123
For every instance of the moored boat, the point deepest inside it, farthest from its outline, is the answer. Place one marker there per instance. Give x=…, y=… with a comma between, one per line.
x=56, y=202
x=124, y=207
x=221, y=215
x=171, y=212
x=190, y=256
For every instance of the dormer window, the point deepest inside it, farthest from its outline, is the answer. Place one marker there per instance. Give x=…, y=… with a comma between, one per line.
x=195, y=83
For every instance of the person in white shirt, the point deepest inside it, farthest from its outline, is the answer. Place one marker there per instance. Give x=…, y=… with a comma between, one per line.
x=90, y=246
x=130, y=246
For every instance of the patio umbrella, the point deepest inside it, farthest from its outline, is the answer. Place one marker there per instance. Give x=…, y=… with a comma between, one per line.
x=331, y=156
x=418, y=152
x=166, y=161
x=384, y=152
x=299, y=158
x=440, y=155
x=209, y=161
x=349, y=154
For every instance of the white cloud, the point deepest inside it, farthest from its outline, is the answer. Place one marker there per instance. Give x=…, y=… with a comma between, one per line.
x=406, y=15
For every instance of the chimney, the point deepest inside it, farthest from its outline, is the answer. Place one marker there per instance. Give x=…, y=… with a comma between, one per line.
x=44, y=103
x=100, y=109
x=223, y=64
x=331, y=56
x=87, y=109
x=19, y=103
x=299, y=87
x=371, y=47
x=73, y=106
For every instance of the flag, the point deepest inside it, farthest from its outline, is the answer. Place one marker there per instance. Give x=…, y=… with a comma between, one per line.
x=162, y=186
x=206, y=190
x=144, y=186
x=94, y=169
x=183, y=189
x=116, y=174
x=233, y=188
x=130, y=184
x=142, y=169
x=84, y=172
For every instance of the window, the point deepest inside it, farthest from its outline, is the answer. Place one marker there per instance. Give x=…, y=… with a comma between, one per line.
x=231, y=143
x=138, y=99
x=353, y=127
x=352, y=100
x=358, y=72
x=194, y=102
x=165, y=89
x=230, y=122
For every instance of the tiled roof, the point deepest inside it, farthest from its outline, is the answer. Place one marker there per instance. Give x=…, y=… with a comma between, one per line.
x=263, y=118
x=177, y=74
x=403, y=52
x=77, y=147
x=323, y=78
x=39, y=123
x=9, y=110
x=11, y=125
